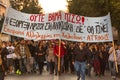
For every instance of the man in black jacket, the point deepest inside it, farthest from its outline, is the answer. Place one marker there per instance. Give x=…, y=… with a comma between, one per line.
x=81, y=57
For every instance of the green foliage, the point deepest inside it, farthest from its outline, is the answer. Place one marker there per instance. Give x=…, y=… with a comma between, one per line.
x=27, y=6
x=90, y=8
x=32, y=8
x=115, y=14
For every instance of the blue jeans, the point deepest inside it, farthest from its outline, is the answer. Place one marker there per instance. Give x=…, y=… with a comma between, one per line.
x=80, y=67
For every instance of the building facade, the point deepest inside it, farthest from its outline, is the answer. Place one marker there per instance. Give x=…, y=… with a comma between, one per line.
x=3, y=5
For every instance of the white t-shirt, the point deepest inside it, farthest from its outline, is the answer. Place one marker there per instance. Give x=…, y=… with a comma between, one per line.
x=11, y=51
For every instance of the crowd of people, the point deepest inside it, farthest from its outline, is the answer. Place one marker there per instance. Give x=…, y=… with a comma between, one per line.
x=27, y=56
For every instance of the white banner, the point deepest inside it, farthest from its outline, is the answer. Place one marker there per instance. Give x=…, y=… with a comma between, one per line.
x=58, y=25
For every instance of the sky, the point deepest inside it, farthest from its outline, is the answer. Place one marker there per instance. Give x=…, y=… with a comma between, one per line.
x=53, y=5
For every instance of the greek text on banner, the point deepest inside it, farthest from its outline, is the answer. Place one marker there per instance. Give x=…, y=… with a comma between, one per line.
x=57, y=25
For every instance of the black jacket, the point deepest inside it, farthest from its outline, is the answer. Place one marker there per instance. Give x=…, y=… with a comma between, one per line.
x=40, y=58
x=81, y=55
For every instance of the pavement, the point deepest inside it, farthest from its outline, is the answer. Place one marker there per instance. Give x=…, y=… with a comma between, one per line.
x=47, y=76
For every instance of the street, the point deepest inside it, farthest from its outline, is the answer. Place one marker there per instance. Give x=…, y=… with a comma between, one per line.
x=47, y=76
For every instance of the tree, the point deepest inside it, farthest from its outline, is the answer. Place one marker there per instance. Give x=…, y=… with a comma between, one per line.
x=90, y=8
x=27, y=6
x=93, y=8
x=114, y=8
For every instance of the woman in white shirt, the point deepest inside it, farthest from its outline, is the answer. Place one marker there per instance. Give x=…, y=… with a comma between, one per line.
x=111, y=60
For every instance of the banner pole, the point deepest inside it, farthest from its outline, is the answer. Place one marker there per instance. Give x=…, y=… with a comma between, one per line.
x=115, y=57
x=59, y=56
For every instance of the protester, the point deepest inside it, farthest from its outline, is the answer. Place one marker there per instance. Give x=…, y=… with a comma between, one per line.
x=66, y=57
x=90, y=63
x=40, y=52
x=10, y=61
x=77, y=56
x=70, y=52
x=107, y=47
x=96, y=60
x=31, y=47
x=118, y=59
x=4, y=54
x=58, y=47
x=2, y=72
x=111, y=59
x=81, y=57
x=50, y=58
x=16, y=60
x=103, y=59
x=23, y=54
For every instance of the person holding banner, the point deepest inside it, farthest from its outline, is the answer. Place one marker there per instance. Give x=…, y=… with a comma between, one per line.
x=112, y=61
x=58, y=47
x=81, y=57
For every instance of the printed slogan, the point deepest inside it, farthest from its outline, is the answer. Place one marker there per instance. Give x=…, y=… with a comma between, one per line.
x=57, y=25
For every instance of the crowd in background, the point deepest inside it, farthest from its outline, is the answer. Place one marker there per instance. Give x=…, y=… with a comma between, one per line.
x=26, y=56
